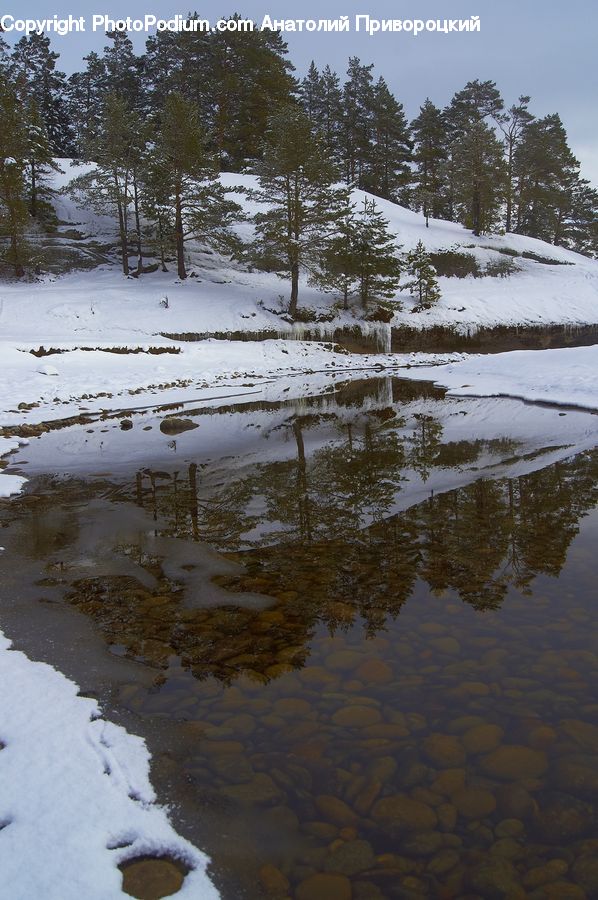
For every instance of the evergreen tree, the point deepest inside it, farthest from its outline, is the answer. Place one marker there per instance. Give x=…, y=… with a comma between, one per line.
x=377, y=261
x=122, y=70
x=331, y=113
x=40, y=162
x=338, y=267
x=512, y=124
x=479, y=174
x=108, y=186
x=311, y=93
x=233, y=79
x=14, y=148
x=475, y=163
x=200, y=210
x=429, y=133
x=296, y=180
x=33, y=66
x=424, y=285
x=388, y=172
x=547, y=175
x=358, y=96
x=86, y=93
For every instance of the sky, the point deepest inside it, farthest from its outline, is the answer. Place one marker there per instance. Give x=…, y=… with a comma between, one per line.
x=544, y=49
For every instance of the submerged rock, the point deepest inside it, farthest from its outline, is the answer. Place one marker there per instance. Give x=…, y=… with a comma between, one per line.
x=151, y=879
x=513, y=762
x=173, y=425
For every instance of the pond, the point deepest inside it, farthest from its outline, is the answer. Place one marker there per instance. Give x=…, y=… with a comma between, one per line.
x=357, y=629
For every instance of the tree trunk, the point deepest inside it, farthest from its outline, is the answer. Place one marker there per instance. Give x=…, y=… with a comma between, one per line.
x=294, y=288
x=179, y=236
x=124, y=250
x=33, y=190
x=137, y=224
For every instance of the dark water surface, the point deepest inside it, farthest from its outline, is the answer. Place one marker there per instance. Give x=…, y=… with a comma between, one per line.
x=357, y=631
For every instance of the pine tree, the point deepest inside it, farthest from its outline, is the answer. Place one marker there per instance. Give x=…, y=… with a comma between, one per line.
x=377, y=261
x=86, y=93
x=338, y=265
x=200, y=210
x=512, y=124
x=296, y=180
x=547, y=174
x=33, y=66
x=475, y=170
x=122, y=69
x=358, y=94
x=424, y=285
x=430, y=136
x=14, y=147
x=233, y=79
x=40, y=163
x=108, y=186
x=311, y=93
x=388, y=172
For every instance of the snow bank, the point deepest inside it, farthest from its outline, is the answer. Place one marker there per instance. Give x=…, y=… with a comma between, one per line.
x=567, y=377
x=74, y=786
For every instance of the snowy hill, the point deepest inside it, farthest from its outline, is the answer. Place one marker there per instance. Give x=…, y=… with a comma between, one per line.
x=548, y=285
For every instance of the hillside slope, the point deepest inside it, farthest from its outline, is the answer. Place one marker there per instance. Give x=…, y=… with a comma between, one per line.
x=96, y=303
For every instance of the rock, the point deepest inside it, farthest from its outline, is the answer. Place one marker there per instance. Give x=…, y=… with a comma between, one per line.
x=335, y=810
x=366, y=890
x=474, y=688
x=507, y=848
x=515, y=801
x=292, y=706
x=494, y=879
x=174, y=425
x=482, y=738
x=323, y=830
x=234, y=769
x=424, y=843
x=401, y=813
x=447, y=816
x=583, y=733
x=343, y=660
x=356, y=716
x=443, y=750
x=585, y=873
x=512, y=762
x=474, y=803
x=509, y=828
x=324, y=886
x=374, y=671
x=449, y=645
x=443, y=862
x=350, y=858
x=562, y=818
x=541, y=737
x=449, y=781
x=539, y=875
x=126, y=424
x=578, y=774
x=274, y=882
x=260, y=791
x=151, y=879
x=559, y=890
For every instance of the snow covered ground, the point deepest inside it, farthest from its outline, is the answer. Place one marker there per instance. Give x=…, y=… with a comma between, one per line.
x=222, y=296
x=76, y=798
x=566, y=377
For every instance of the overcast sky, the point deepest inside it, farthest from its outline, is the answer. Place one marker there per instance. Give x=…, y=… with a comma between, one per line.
x=545, y=49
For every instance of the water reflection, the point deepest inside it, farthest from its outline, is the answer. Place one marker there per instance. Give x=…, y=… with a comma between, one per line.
x=368, y=734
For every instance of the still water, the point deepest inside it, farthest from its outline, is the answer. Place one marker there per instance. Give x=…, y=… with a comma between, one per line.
x=357, y=630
